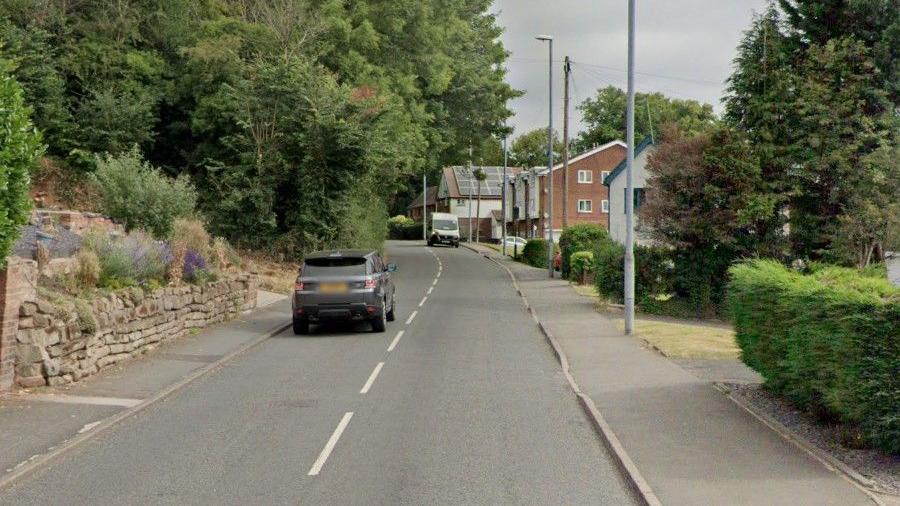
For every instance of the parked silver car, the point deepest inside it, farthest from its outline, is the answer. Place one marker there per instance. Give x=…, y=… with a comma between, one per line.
x=349, y=285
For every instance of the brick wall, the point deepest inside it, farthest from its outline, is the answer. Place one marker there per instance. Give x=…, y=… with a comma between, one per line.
x=17, y=284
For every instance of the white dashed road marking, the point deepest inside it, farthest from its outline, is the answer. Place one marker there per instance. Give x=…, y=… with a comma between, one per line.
x=79, y=399
x=329, y=446
x=422, y=302
x=395, y=341
x=368, y=385
x=410, y=319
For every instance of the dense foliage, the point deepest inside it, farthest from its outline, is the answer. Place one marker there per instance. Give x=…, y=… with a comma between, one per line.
x=298, y=120
x=604, y=116
x=530, y=149
x=702, y=200
x=402, y=227
x=139, y=196
x=20, y=146
x=827, y=341
x=534, y=253
x=653, y=272
x=579, y=237
x=581, y=265
x=815, y=90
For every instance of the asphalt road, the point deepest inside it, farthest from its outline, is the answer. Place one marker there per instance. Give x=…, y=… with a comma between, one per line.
x=467, y=406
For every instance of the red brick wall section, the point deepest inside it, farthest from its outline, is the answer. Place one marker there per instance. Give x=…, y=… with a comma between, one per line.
x=16, y=286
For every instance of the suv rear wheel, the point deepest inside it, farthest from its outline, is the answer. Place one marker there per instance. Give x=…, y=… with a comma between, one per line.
x=379, y=323
x=301, y=326
x=392, y=314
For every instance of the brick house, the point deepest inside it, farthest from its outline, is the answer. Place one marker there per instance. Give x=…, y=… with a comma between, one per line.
x=457, y=194
x=416, y=210
x=588, y=198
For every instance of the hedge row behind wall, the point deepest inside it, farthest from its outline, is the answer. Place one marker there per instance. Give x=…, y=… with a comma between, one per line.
x=829, y=341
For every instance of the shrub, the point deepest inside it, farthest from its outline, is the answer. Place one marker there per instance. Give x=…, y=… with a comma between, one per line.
x=404, y=228
x=192, y=235
x=140, y=196
x=224, y=255
x=580, y=264
x=827, y=341
x=193, y=264
x=87, y=269
x=535, y=253
x=125, y=261
x=652, y=277
x=20, y=145
x=580, y=237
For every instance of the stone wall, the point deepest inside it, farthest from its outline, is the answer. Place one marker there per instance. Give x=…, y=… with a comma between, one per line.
x=77, y=221
x=60, y=342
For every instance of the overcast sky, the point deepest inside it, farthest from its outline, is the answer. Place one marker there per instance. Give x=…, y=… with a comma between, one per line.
x=684, y=49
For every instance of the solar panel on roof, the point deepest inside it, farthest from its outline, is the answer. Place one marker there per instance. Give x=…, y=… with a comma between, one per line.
x=468, y=185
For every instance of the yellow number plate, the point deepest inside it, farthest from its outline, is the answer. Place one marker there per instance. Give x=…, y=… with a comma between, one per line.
x=333, y=287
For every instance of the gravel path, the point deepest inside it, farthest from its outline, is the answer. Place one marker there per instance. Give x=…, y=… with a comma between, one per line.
x=880, y=467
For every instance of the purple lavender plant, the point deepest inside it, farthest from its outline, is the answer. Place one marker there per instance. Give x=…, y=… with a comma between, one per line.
x=193, y=262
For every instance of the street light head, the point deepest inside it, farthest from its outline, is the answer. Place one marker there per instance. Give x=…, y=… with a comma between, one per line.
x=544, y=37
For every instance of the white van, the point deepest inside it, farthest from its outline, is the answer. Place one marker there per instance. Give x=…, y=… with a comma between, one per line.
x=444, y=229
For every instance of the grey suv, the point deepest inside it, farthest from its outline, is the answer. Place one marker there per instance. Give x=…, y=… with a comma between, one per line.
x=349, y=285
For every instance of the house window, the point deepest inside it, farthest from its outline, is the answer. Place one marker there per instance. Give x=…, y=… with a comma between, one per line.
x=585, y=206
x=605, y=206
x=638, y=198
x=585, y=176
x=603, y=175
x=460, y=202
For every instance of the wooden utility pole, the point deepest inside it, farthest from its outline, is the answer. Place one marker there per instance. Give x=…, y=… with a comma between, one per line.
x=567, y=68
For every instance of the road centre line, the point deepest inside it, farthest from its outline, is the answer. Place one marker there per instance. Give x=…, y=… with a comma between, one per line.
x=329, y=446
x=422, y=302
x=410, y=319
x=368, y=385
x=395, y=341
x=434, y=283
x=430, y=289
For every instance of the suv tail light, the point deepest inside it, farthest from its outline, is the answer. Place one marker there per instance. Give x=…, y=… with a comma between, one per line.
x=298, y=286
x=370, y=283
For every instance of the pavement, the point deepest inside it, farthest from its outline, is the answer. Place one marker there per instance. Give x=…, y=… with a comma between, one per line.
x=688, y=440
x=461, y=401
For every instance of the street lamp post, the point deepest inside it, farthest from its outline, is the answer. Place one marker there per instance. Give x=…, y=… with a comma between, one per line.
x=549, y=221
x=425, y=205
x=629, y=182
x=503, y=207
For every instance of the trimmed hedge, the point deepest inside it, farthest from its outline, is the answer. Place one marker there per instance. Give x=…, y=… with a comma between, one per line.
x=580, y=237
x=653, y=274
x=828, y=341
x=535, y=253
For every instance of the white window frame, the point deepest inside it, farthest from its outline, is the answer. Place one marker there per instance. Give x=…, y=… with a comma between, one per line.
x=603, y=175
x=590, y=206
x=604, y=206
x=589, y=179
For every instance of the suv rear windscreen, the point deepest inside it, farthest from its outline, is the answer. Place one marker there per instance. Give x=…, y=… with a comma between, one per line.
x=338, y=266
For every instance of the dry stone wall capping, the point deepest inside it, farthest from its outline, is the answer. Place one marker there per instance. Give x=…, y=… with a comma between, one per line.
x=63, y=341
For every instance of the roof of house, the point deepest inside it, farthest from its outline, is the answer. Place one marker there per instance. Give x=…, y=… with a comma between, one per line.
x=588, y=153
x=461, y=182
x=647, y=142
x=432, y=195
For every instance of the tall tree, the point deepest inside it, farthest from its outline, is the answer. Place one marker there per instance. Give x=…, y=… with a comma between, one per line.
x=530, y=149
x=703, y=200
x=604, y=116
x=816, y=97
